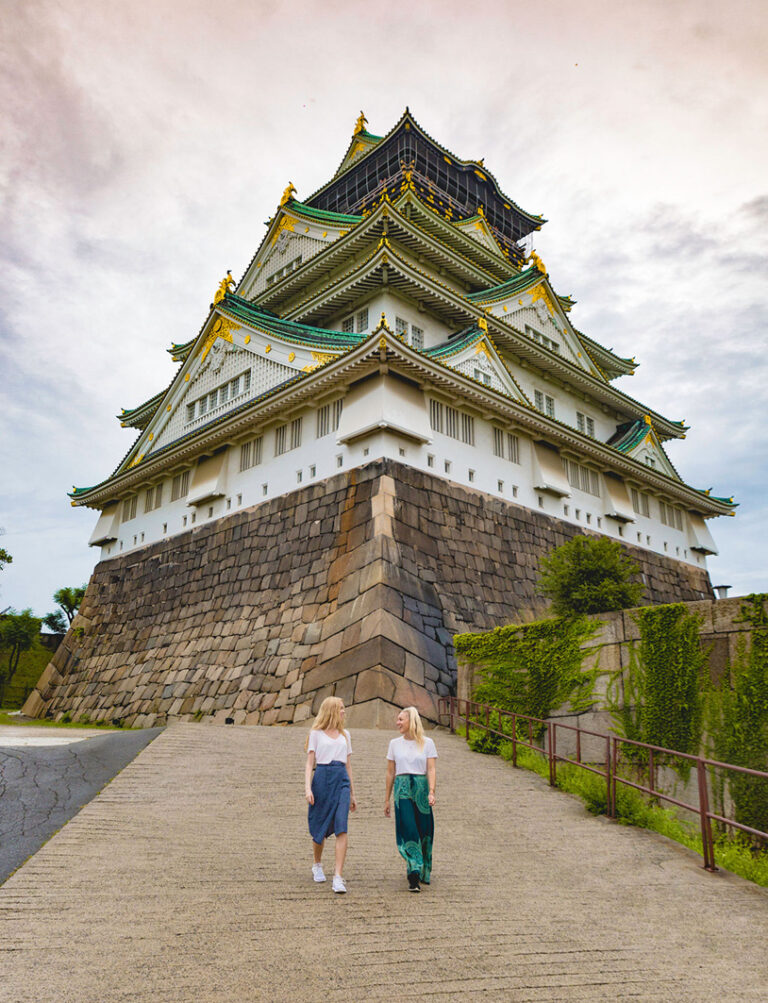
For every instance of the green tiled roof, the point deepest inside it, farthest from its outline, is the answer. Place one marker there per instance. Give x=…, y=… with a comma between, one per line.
x=322, y=214
x=629, y=435
x=267, y=321
x=508, y=288
x=456, y=343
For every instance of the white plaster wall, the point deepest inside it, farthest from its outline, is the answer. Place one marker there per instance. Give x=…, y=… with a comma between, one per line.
x=317, y=459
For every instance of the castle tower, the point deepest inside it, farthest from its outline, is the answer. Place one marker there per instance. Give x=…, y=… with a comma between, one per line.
x=368, y=446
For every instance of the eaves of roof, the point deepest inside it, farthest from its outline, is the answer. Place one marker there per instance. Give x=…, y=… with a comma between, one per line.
x=385, y=349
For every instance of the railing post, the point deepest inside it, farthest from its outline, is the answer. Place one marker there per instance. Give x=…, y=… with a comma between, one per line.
x=614, y=771
x=550, y=751
x=467, y=707
x=578, y=745
x=553, y=755
x=487, y=718
x=608, y=778
x=514, y=739
x=707, y=843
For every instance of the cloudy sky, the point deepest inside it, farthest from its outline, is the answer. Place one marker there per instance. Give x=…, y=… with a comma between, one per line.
x=143, y=144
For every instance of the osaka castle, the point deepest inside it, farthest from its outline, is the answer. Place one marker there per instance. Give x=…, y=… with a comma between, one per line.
x=374, y=436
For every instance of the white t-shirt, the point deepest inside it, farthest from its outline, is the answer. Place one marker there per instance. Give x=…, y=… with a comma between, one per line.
x=327, y=749
x=408, y=757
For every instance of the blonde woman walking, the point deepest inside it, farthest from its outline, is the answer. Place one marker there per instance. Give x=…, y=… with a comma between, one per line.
x=411, y=762
x=330, y=792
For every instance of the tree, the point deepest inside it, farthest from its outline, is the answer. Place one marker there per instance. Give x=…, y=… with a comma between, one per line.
x=5, y=558
x=589, y=574
x=18, y=632
x=69, y=599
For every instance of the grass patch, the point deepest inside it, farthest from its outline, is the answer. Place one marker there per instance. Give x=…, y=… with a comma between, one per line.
x=732, y=853
x=7, y=718
x=31, y=665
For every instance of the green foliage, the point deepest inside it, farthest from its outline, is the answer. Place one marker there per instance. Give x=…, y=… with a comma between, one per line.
x=5, y=558
x=68, y=599
x=738, y=719
x=532, y=668
x=589, y=575
x=18, y=632
x=659, y=698
x=31, y=665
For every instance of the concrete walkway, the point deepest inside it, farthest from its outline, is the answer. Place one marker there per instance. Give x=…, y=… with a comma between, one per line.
x=188, y=879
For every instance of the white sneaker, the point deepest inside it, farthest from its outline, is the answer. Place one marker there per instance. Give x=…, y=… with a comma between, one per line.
x=338, y=884
x=317, y=872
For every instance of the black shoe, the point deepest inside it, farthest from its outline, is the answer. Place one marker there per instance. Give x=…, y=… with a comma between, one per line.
x=413, y=882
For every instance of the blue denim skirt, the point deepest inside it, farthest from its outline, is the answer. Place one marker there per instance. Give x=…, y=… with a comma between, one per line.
x=330, y=812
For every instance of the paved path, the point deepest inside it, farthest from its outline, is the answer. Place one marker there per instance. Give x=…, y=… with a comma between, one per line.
x=47, y=775
x=187, y=879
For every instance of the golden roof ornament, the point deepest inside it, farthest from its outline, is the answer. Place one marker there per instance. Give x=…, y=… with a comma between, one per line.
x=537, y=262
x=223, y=289
x=288, y=194
x=360, y=124
x=482, y=324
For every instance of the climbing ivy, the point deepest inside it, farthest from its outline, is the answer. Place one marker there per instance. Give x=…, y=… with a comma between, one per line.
x=738, y=717
x=531, y=668
x=659, y=698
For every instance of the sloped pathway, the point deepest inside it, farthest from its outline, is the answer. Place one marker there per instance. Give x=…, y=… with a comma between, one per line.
x=48, y=774
x=187, y=879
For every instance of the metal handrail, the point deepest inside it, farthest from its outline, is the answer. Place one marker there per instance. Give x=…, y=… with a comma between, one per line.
x=451, y=707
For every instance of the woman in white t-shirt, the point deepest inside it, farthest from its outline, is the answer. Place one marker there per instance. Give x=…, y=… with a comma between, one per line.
x=330, y=792
x=411, y=761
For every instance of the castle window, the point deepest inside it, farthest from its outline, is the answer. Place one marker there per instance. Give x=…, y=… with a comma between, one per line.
x=482, y=377
x=471, y=475
x=348, y=325
x=298, y=477
x=280, y=439
x=417, y=336
x=312, y=470
x=506, y=445
x=180, y=486
x=544, y=403
x=585, y=424
x=436, y=415
x=362, y=321
x=401, y=328
x=500, y=485
x=328, y=418
x=250, y=453
x=640, y=502
x=542, y=339
x=583, y=478
x=430, y=460
x=296, y=433
x=447, y=466
x=129, y=508
x=339, y=461
x=468, y=429
x=219, y=396
x=153, y=498
x=650, y=461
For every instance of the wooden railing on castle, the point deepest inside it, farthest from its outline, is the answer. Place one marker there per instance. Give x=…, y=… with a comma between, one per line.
x=518, y=730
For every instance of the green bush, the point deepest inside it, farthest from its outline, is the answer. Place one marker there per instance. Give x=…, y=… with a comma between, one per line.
x=589, y=574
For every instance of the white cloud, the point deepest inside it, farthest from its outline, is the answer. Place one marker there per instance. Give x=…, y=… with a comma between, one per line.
x=145, y=144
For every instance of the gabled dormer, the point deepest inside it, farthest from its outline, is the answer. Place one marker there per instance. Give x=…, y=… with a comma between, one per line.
x=638, y=439
x=529, y=303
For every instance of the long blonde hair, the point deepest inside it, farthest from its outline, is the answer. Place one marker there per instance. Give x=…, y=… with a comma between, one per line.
x=328, y=717
x=415, y=727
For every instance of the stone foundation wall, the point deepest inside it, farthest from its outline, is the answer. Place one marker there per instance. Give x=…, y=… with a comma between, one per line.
x=353, y=586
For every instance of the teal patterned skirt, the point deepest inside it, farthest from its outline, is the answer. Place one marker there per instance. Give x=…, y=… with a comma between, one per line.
x=414, y=823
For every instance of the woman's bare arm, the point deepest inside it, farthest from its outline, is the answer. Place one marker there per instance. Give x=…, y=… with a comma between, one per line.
x=431, y=774
x=390, y=784
x=308, y=777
